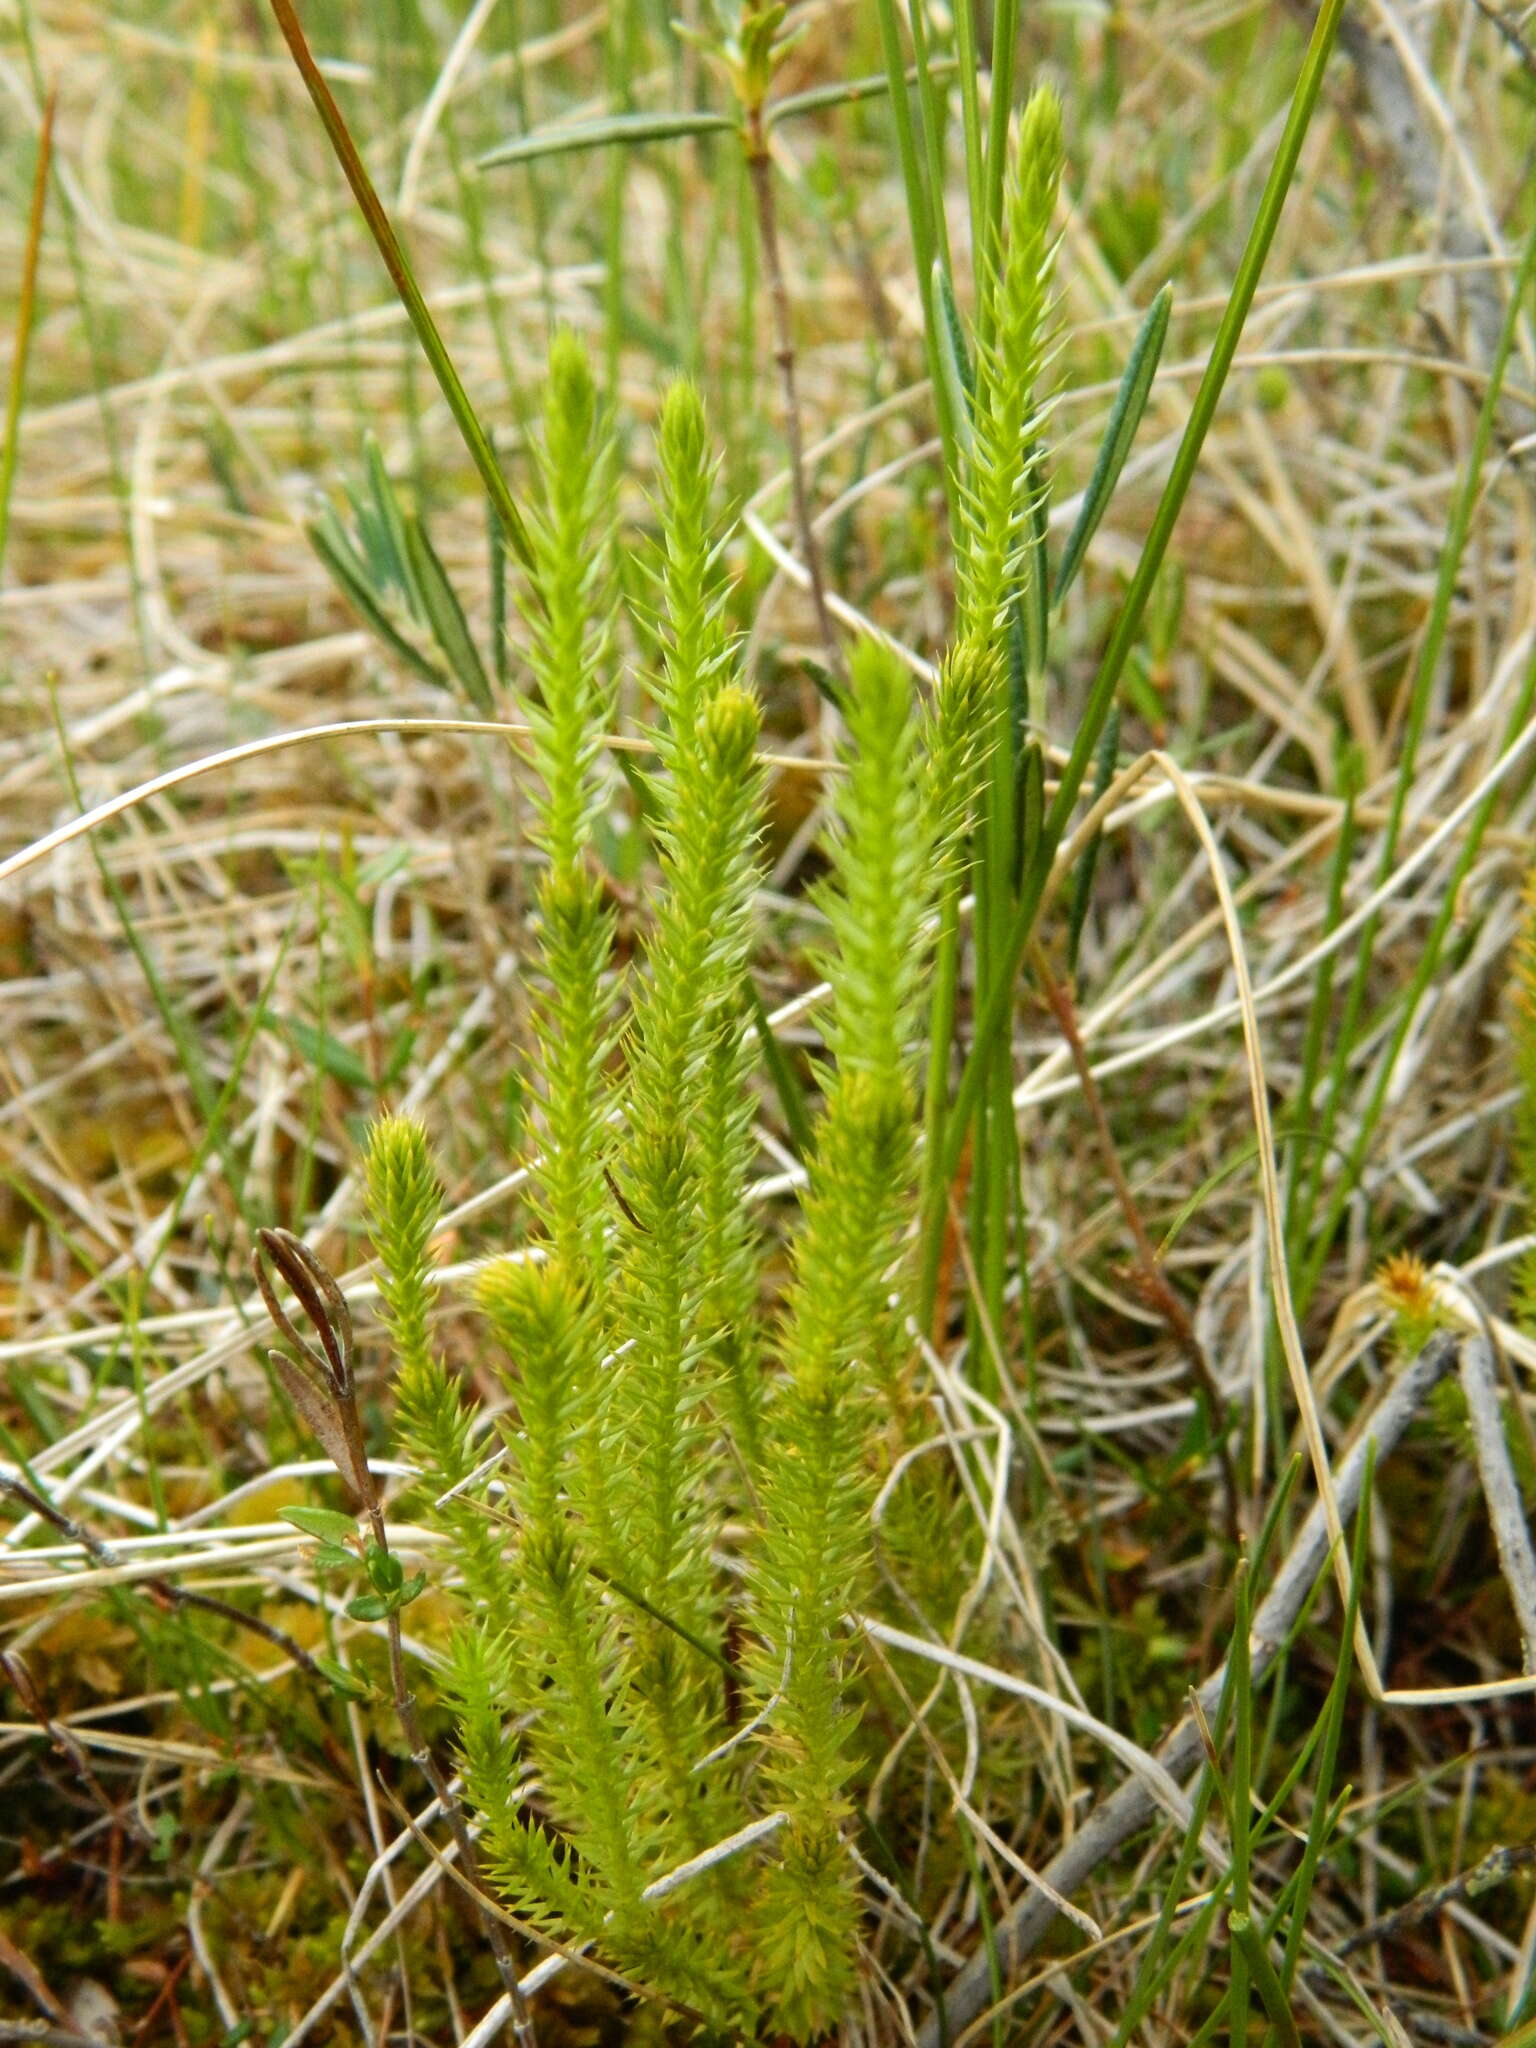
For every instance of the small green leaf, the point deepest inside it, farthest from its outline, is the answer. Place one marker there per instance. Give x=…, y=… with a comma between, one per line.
x=847, y=94
x=399, y=1057
x=621, y=128
x=385, y=1573
x=325, y=1524
x=1124, y=419
x=346, y=1682
x=369, y=1607
x=325, y=1051
x=413, y=1589
x=442, y=612
x=330, y=1557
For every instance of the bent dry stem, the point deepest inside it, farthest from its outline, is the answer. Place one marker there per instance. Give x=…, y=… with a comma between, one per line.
x=324, y=1389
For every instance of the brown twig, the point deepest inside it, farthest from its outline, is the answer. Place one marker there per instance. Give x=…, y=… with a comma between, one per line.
x=24, y=1685
x=325, y=1392
x=1153, y=1281
x=165, y=1590
x=1490, y=1870
x=760, y=174
x=1116, y=1819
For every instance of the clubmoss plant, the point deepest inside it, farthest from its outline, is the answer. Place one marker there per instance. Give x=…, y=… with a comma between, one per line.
x=434, y=1427
x=571, y=619
x=814, y=1549
x=1003, y=596
x=663, y=1418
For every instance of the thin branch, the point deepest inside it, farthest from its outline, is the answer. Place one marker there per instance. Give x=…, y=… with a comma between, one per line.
x=165, y=1590
x=760, y=173
x=1501, y=1489
x=1116, y=1819
x=329, y=1373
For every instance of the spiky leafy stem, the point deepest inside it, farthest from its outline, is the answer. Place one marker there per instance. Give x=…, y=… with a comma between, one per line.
x=695, y=959
x=681, y=1138
x=698, y=662
x=814, y=1550
x=434, y=1425
x=571, y=628
x=571, y=632
x=568, y=1670
x=1002, y=581
x=1001, y=486
x=538, y=1312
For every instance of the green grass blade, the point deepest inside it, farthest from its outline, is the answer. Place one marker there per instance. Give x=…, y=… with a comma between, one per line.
x=26, y=305
x=445, y=615
x=921, y=205
x=1130, y=404
x=954, y=358
x=388, y=518
x=994, y=1016
x=786, y=1082
x=1332, y=1722
x=401, y=276
x=1250, y=1946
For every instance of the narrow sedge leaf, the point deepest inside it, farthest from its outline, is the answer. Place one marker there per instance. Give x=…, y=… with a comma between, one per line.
x=1124, y=419
x=497, y=550
x=626, y=129
x=954, y=361
x=955, y=325
x=1034, y=600
x=346, y=1682
x=26, y=304
x=399, y=1058
x=349, y=573
x=1251, y=1944
x=326, y=1524
x=385, y=573
x=445, y=615
x=386, y=505
x=1031, y=799
x=325, y=1051
x=786, y=1082
x=1082, y=880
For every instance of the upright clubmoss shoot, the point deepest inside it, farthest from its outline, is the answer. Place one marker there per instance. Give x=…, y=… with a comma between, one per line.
x=658, y=1420
x=822, y=1436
